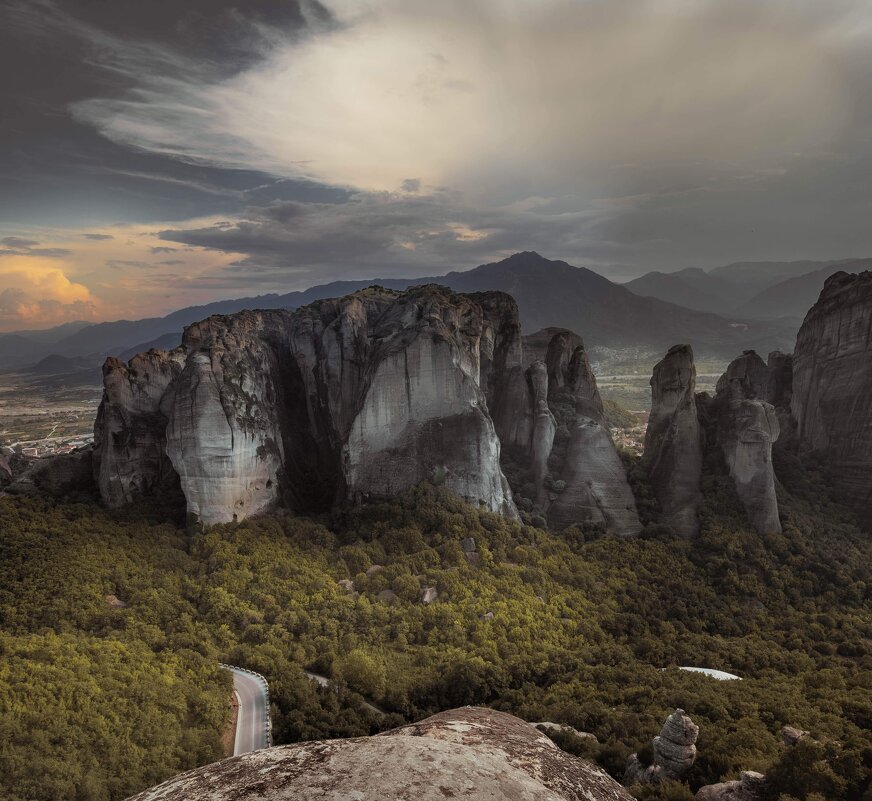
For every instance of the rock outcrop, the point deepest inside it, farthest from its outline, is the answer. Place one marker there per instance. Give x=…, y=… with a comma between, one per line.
x=674, y=441
x=750, y=787
x=464, y=753
x=832, y=386
x=595, y=488
x=130, y=458
x=359, y=396
x=747, y=426
x=674, y=752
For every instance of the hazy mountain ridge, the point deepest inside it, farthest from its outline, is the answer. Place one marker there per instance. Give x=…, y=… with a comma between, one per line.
x=549, y=293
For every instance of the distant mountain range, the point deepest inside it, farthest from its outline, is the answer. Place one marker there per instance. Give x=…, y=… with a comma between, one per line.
x=720, y=312
x=764, y=290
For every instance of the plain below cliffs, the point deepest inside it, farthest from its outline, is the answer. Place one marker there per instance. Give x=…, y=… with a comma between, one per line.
x=356, y=397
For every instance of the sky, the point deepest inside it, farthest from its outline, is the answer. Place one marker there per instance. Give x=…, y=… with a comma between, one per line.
x=156, y=155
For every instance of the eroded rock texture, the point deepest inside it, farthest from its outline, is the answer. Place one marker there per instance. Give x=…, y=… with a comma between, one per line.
x=832, y=386
x=130, y=458
x=463, y=753
x=674, y=441
x=674, y=752
x=578, y=477
x=751, y=786
x=747, y=426
x=363, y=395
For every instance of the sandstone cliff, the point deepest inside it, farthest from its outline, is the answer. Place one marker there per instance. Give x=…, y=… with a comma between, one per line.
x=832, y=386
x=346, y=398
x=747, y=426
x=468, y=753
x=673, y=441
x=577, y=473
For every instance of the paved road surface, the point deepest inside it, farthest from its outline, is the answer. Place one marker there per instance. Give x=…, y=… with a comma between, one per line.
x=325, y=682
x=252, y=723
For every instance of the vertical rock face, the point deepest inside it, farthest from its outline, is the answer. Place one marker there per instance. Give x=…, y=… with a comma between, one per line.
x=597, y=490
x=130, y=459
x=747, y=427
x=832, y=386
x=544, y=429
x=673, y=441
x=223, y=434
x=367, y=394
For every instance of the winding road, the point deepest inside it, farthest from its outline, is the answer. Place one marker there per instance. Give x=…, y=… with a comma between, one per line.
x=252, y=723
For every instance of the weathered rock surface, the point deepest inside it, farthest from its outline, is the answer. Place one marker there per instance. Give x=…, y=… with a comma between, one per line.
x=674, y=441
x=675, y=748
x=750, y=787
x=747, y=426
x=359, y=396
x=832, y=386
x=469, y=753
x=130, y=458
x=597, y=490
x=790, y=735
x=674, y=752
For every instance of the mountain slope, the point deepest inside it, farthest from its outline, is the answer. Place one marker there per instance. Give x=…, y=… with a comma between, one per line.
x=793, y=297
x=554, y=293
x=549, y=293
x=693, y=288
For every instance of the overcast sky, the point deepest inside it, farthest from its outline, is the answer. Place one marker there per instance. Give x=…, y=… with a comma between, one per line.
x=157, y=154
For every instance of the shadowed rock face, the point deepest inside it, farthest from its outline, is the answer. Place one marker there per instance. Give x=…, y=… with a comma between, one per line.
x=363, y=395
x=130, y=457
x=673, y=441
x=597, y=490
x=747, y=427
x=464, y=753
x=832, y=386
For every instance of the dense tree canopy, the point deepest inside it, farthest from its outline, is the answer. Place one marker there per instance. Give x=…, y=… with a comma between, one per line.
x=100, y=699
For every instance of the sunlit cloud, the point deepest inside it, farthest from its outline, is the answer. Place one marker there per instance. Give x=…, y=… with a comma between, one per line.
x=516, y=97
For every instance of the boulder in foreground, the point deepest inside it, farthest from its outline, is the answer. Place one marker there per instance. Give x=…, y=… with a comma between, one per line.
x=468, y=753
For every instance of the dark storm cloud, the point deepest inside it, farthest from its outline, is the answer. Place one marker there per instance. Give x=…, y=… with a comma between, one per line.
x=99, y=237
x=385, y=235
x=58, y=171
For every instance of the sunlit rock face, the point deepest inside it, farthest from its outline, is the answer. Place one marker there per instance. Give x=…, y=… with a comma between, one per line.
x=673, y=441
x=130, y=459
x=747, y=427
x=469, y=753
x=344, y=399
x=832, y=386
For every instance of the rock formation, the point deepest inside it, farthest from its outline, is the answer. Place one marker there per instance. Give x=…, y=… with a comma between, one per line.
x=464, y=753
x=673, y=441
x=347, y=398
x=595, y=483
x=674, y=752
x=750, y=787
x=832, y=386
x=130, y=458
x=747, y=426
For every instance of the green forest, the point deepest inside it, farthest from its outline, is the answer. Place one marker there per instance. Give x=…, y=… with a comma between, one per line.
x=112, y=625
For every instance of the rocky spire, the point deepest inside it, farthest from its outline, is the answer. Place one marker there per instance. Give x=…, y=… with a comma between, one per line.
x=673, y=441
x=747, y=426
